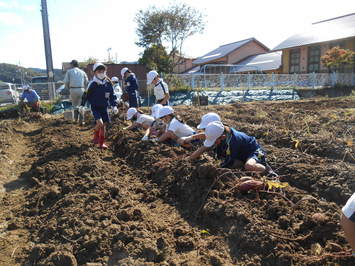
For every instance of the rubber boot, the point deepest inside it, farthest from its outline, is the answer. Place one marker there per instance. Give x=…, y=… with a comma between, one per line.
x=102, y=145
x=96, y=136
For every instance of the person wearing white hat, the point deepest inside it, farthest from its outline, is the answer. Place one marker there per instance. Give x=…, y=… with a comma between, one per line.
x=161, y=89
x=176, y=128
x=205, y=120
x=140, y=120
x=117, y=88
x=158, y=126
x=234, y=147
x=100, y=95
x=347, y=221
x=130, y=87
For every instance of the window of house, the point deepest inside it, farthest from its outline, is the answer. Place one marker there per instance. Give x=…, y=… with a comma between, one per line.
x=295, y=58
x=313, y=59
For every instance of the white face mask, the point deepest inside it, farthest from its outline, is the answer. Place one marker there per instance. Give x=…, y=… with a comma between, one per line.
x=101, y=75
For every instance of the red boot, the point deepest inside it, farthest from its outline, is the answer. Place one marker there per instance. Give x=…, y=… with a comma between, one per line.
x=96, y=136
x=102, y=145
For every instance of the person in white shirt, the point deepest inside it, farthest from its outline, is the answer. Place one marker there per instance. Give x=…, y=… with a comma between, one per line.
x=76, y=81
x=117, y=88
x=161, y=89
x=158, y=126
x=176, y=128
x=347, y=222
x=140, y=120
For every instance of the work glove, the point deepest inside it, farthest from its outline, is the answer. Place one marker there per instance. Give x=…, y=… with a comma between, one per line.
x=145, y=138
x=154, y=139
x=184, y=140
x=115, y=110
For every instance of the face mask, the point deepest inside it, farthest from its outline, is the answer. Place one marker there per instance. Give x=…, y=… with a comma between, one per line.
x=101, y=75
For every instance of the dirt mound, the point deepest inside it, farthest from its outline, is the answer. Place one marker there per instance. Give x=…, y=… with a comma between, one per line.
x=141, y=203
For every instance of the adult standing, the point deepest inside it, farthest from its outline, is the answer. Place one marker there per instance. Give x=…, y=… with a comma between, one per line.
x=130, y=86
x=76, y=81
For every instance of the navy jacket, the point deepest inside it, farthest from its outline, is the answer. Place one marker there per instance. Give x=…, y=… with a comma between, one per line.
x=238, y=145
x=132, y=84
x=100, y=95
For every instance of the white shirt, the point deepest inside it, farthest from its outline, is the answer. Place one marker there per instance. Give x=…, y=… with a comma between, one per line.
x=180, y=129
x=117, y=91
x=75, y=78
x=146, y=120
x=160, y=89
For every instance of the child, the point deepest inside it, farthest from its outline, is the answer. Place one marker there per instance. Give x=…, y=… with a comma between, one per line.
x=100, y=95
x=131, y=86
x=176, y=128
x=140, y=119
x=161, y=90
x=234, y=147
x=205, y=120
x=158, y=126
x=348, y=222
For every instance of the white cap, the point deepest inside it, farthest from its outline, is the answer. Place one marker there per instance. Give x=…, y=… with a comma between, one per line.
x=151, y=76
x=165, y=110
x=124, y=70
x=213, y=131
x=115, y=79
x=208, y=118
x=155, y=110
x=96, y=65
x=131, y=112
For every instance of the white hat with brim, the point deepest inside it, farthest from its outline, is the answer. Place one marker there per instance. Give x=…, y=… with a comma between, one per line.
x=165, y=110
x=155, y=110
x=96, y=65
x=131, y=112
x=212, y=132
x=115, y=79
x=208, y=118
x=151, y=76
x=123, y=71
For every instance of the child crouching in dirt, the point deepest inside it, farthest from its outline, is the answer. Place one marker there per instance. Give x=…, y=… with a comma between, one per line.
x=100, y=95
x=176, y=128
x=158, y=127
x=234, y=147
x=140, y=120
x=348, y=222
x=205, y=120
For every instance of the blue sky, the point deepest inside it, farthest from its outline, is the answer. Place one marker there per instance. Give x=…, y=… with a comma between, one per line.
x=86, y=28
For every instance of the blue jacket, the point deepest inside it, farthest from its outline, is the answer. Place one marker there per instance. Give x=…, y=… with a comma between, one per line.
x=238, y=146
x=100, y=95
x=132, y=83
x=30, y=95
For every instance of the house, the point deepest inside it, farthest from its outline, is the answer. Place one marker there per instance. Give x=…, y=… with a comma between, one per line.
x=301, y=53
x=261, y=63
x=183, y=64
x=232, y=53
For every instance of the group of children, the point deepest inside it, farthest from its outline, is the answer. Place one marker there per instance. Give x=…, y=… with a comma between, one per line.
x=235, y=148
x=103, y=92
x=164, y=125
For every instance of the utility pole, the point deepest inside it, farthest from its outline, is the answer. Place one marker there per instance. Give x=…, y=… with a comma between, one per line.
x=47, y=41
x=109, y=56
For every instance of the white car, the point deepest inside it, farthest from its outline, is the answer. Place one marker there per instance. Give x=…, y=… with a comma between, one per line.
x=8, y=93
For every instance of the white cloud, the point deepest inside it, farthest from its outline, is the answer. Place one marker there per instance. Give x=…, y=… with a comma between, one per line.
x=10, y=19
x=17, y=6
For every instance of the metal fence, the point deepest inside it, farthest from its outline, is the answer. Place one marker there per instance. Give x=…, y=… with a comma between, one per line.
x=249, y=81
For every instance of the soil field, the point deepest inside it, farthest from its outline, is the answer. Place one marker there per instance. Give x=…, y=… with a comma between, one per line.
x=65, y=202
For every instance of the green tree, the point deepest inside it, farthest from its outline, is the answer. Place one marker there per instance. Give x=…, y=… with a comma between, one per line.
x=16, y=74
x=156, y=57
x=90, y=60
x=170, y=26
